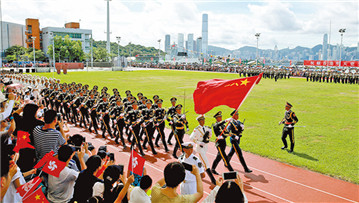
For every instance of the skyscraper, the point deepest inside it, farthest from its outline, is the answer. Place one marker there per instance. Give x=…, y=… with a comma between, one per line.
x=199, y=46
x=180, y=42
x=167, y=43
x=190, y=45
x=325, y=47
x=205, y=35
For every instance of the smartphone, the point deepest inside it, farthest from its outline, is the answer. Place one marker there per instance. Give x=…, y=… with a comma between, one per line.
x=112, y=156
x=121, y=168
x=59, y=116
x=230, y=175
x=187, y=166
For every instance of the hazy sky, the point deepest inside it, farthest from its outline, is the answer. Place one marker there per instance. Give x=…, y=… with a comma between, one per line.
x=232, y=23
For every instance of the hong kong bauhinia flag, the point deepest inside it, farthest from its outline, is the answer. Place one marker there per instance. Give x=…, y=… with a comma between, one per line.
x=44, y=159
x=216, y=92
x=27, y=188
x=136, y=163
x=54, y=167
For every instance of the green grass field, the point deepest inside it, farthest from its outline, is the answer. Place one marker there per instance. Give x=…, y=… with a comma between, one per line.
x=330, y=112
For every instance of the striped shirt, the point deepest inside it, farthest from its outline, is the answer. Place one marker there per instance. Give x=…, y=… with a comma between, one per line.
x=47, y=140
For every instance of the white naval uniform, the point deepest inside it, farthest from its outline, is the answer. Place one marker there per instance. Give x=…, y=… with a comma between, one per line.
x=197, y=137
x=189, y=185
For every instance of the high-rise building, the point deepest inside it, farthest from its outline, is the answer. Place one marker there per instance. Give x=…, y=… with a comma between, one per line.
x=325, y=47
x=180, y=42
x=12, y=34
x=199, y=46
x=205, y=35
x=33, y=30
x=190, y=45
x=275, y=52
x=167, y=43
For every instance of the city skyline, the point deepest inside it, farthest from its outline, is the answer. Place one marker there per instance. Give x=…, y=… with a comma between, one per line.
x=232, y=24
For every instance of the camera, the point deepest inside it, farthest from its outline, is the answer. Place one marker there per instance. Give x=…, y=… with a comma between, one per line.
x=58, y=116
x=187, y=166
x=230, y=175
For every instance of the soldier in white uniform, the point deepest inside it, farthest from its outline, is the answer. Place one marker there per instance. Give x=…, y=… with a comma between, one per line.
x=201, y=135
x=189, y=185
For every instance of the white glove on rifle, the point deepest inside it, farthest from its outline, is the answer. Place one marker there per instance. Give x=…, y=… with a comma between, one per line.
x=171, y=122
x=183, y=116
x=143, y=125
x=122, y=114
x=229, y=119
x=220, y=137
x=156, y=124
x=130, y=127
x=290, y=126
x=242, y=126
x=236, y=137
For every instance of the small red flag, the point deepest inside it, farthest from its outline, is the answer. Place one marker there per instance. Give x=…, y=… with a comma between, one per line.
x=136, y=163
x=24, y=136
x=27, y=188
x=36, y=196
x=54, y=167
x=44, y=159
x=23, y=139
x=216, y=92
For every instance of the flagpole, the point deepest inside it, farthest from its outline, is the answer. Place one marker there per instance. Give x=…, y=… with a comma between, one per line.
x=132, y=159
x=240, y=104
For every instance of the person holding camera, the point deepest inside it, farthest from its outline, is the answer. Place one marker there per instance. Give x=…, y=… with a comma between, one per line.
x=7, y=111
x=188, y=159
x=46, y=137
x=201, y=135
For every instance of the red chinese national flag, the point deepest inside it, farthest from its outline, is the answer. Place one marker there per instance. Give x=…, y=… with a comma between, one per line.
x=27, y=188
x=136, y=163
x=23, y=139
x=216, y=92
x=24, y=136
x=44, y=159
x=37, y=196
x=54, y=167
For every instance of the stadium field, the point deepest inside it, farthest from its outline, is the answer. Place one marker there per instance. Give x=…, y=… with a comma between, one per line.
x=327, y=136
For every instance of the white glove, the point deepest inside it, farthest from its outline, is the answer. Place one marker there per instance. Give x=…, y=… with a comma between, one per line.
x=151, y=120
x=236, y=137
x=171, y=122
x=143, y=125
x=122, y=114
x=100, y=118
x=130, y=127
x=289, y=126
x=229, y=119
x=280, y=122
x=114, y=121
x=187, y=130
x=242, y=126
x=220, y=137
x=156, y=124
x=89, y=111
x=165, y=118
x=183, y=116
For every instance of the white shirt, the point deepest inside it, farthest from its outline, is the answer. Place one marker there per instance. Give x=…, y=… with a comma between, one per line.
x=192, y=160
x=198, y=133
x=139, y=196
x=212, y=196
x=11, y=194
x=61, y=189
x=98, y=189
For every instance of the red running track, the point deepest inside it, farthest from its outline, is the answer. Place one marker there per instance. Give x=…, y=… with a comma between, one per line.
x=270, y=181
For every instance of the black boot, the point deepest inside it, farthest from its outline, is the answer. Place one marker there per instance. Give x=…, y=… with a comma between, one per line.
x=209, y=173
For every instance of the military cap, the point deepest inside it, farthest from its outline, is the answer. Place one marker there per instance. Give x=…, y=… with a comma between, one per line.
x=179, y=106
x=114, y=90
x=144, y=98
x=200, y=117
x=218, y=114
x=187, y=145
x=128, y=92
x=139, y=94
x=235, y=111
x=156, y=97
x=289, y=105
x=95, y=87
x=148, y=101
x=160, y=101
x=173, y=99
x=129, y=95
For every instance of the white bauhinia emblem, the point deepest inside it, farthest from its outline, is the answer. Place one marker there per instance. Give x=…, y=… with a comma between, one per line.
x=52, y=165
x=134, y=162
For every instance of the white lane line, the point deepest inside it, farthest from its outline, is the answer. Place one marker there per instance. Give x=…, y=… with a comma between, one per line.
x=149, y=164
x=319, y=190
x=268, y=193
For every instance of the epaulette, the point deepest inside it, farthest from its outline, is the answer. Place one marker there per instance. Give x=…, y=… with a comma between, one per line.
x=195, y=158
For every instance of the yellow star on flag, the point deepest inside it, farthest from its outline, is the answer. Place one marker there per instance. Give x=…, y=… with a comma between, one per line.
x=244, y=82
x=37, y=197
x=24, y=137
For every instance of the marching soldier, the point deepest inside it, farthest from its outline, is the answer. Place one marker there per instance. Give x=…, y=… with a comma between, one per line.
x=289, y=120
x=201, y=135
x=102, y=109
x=235, y=129
x=159, y=121
x=118, y=113
x=92, y=103
x=170, y=115
x=219, y=129
x=189, y=185
x=179, y=122
x=147, y=125
x=134, y=120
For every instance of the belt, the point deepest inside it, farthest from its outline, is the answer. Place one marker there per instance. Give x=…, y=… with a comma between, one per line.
x=179, y=128
x=288, y=123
